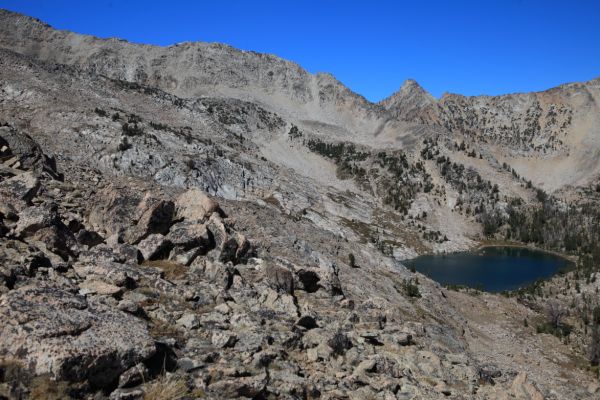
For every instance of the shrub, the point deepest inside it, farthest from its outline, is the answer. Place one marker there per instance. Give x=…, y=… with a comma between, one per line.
x=411, y=289
x=295, y=132
x=340, y=343
x=352, y=260
x=158, y=126
x=100, y=112
x=595, y=346
x=560, y=331
x=131, y=129
x=555, y=313
x=541, y=195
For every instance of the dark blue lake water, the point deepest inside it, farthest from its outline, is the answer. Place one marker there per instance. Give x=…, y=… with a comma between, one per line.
x=492, y=269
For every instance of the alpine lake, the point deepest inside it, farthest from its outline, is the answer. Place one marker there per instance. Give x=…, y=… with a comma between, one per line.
x=492, y=269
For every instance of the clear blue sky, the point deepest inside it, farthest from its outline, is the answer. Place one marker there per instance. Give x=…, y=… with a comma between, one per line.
x=467, y=47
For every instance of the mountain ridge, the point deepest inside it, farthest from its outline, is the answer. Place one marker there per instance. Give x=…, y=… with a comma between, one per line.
x=11, y=15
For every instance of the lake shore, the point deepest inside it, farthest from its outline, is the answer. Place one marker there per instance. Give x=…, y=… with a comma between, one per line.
x=504, y=243
x=493, y=267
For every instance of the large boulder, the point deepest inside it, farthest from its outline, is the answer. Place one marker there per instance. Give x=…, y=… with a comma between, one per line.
x=52, y=331
x=189, y=239
x=42, y=224
x=189, y=235
x=18, y=262
x=32, y=219
x=280, y=278
x=28, y=152
x=154, y=247
x=130, y=214
x=114, y=209
x=229, y=245
x=195, y=205
x=156, y=217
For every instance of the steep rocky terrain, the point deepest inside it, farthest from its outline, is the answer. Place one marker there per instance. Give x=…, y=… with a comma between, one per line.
x=197, y=221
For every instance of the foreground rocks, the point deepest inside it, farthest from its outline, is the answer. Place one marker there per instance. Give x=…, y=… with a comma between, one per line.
x=136, y=285
x=53, y=331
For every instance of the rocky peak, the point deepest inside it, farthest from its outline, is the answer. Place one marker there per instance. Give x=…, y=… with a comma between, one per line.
x=409, y=101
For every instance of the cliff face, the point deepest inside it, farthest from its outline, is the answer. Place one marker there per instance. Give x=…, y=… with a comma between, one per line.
x=221, y=223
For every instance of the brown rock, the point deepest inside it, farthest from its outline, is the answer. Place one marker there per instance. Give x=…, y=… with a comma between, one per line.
x=195, y=205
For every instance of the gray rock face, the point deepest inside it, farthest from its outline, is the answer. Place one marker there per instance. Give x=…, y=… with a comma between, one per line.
x=68, y=337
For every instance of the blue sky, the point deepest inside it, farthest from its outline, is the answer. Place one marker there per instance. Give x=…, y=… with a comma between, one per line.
x=467, y=47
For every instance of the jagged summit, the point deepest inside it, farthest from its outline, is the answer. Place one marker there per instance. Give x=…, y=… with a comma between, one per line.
x=408, y=86
x=409, y=101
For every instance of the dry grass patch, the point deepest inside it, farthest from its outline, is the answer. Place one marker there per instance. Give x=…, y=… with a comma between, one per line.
x=162, y=329
x=44, y=388
x=273, y=201
x=171, y=269
x=166, y=388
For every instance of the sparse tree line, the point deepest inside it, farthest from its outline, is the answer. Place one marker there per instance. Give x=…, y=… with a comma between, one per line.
x=397, y=179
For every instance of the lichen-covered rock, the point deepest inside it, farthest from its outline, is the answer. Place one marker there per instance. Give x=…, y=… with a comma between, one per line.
x=32, y=219
x=223, y=339
x=99, y=287
x=108, y=271
x=241, y=387
x=19, y=190
x=188, y=235
x=55, y=332
x=134, y=376
x=155, y=246
x=132, y=213
x=280, y=278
